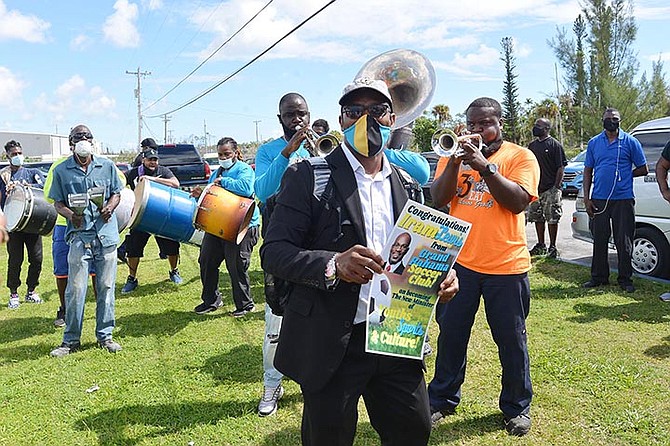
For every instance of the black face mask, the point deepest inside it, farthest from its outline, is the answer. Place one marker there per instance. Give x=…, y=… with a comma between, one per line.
x=538, y=131
x=610, y=125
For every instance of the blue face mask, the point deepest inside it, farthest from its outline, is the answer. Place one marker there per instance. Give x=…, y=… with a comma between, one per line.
x=227, y=163
x=367, y=136
x=17, y=160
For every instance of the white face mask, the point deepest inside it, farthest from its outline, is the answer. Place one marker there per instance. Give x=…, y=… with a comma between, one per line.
x=227, y=163
x=17, y=160
x=83, y=149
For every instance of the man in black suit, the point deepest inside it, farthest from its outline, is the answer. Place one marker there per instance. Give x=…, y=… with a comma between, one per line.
x=327, y=245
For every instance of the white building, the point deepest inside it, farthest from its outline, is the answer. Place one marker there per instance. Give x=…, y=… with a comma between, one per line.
x=46, y=146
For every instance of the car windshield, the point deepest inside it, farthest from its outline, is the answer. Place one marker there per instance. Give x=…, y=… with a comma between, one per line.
x=580, y=157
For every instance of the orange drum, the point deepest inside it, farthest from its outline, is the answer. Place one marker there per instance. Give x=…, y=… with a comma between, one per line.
x=223, y=214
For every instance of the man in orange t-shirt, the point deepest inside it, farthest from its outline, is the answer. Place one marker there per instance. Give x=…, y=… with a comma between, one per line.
x=491, y=189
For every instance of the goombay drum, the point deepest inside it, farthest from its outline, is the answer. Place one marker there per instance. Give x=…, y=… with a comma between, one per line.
x=223, y=214
x=164, y=211
x=27, y=211
x=125, y=208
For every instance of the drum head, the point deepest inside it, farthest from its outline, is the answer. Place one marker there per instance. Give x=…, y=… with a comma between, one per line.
x=141, y=196
x=17, y=202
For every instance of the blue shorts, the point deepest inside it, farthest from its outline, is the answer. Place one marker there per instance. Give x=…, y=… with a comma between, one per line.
x=59, y=251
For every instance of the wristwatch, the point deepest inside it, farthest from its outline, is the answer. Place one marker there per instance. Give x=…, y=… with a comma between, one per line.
x=489, y=170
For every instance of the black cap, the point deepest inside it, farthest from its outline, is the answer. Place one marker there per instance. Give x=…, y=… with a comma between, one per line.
x=149, y=142
x=150, y=153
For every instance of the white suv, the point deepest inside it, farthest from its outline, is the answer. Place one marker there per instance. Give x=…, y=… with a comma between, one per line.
x=651, y=246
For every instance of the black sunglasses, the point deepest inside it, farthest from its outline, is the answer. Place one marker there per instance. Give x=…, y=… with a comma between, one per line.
x=80, y=136
x=356, y=111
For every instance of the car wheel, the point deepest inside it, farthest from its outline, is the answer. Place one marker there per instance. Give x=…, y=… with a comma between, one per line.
x=650, y=253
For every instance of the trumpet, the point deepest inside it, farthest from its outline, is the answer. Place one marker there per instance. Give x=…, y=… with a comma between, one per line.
x=319, y=145
x=446, y=142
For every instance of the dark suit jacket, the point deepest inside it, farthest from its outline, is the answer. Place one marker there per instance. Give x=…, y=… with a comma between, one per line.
x=399, y=269
x=303, y=235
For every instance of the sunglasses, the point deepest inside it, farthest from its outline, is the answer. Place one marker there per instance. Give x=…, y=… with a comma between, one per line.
x=356, y=111
x=80, y=136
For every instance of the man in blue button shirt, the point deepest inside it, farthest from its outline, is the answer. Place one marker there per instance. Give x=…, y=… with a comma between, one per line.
x=613, y=158
x=86, y=190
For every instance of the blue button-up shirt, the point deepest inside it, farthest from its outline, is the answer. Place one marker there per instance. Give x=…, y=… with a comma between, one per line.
x=69, y=178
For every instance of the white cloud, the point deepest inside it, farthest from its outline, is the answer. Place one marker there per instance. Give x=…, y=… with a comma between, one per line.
x=664, y=57
x=153, y=5
x=17, y=26
x=80, y=42
x=11, y=89
x=74, y=99
x=119, y=28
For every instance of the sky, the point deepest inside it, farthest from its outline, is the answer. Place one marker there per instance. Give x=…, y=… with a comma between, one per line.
x=70, y=62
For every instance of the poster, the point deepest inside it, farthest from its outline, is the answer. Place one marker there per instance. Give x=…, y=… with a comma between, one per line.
x=420, y=251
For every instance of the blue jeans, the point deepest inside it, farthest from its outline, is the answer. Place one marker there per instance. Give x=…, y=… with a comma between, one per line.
x=507, y=303
x=79, y=258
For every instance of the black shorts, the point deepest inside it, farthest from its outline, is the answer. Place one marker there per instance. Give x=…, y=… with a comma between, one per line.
x=137, y=240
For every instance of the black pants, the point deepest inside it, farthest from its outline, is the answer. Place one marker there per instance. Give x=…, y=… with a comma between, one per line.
x=33, y=244
x=621, y=214
x=212, y=252
x=394, y=392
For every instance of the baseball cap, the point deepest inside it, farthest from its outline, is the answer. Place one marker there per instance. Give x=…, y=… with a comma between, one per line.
x=150, y=153
x=366, y=82
x=149, y=142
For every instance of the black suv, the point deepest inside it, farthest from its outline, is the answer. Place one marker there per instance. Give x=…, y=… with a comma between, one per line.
x=186, y=164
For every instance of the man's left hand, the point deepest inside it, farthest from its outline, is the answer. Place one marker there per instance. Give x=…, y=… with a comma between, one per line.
x=448, y=287
x=106, y=213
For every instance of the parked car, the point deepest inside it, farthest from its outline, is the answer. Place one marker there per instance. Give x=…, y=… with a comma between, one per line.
x=43, y=166
x=651, y=245
x=573, y=175
x=185, y=162
x=123, y=167
x=212, y=159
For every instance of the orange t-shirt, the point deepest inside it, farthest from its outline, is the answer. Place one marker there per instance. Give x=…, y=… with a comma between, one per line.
x=497, y=240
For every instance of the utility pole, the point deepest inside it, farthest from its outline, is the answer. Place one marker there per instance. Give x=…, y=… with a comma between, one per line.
x=166, y=119
x=204, y=123
x=256, y=122
x=138, y=95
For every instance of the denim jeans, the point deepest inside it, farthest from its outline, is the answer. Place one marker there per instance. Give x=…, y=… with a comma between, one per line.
x=271, y=376
x=104, y=259
x=507, y=304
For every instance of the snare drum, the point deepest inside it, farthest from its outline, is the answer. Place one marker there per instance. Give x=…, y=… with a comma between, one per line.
x=27, y=211
x=125, y=208
x=223, y=214
x=164, y=211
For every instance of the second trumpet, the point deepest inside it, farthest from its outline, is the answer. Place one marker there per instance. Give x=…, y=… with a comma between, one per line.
x=319, y=145
x=445, y=142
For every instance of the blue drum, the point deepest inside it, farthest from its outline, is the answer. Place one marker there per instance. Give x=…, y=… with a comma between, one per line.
x=164, y=211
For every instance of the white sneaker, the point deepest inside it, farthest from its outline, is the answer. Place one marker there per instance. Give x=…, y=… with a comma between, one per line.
x=269, y=401
x=33, y=297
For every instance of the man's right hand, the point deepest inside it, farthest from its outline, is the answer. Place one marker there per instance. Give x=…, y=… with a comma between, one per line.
x=590, y=207
x=294, y=143
x=358, y=264
x=77, y=220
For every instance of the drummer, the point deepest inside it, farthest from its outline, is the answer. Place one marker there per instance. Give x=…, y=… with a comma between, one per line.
x=9, y=176
x=237, y=177
x=149, y=170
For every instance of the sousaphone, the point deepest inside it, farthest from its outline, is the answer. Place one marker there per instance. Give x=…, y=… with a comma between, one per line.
x=410, y=78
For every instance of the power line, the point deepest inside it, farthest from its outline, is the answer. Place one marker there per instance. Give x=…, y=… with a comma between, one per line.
x=218, y=84
x=210, y=56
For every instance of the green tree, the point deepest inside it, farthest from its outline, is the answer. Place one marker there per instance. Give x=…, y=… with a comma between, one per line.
x=424, y=128
x=600, y=70
x=510, y=105
x=441, y=113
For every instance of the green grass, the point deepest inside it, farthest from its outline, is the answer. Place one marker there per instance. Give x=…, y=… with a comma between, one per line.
x=600, y=366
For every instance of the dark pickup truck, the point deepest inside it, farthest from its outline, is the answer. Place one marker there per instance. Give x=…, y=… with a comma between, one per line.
x=185, y=163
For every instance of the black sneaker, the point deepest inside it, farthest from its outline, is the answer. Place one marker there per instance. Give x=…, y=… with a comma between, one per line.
x=204, y=308
x=539, y=249
x=552, y=252
x=243, y=311
x=518, y=426
x=593, y=284
x=627, y=287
